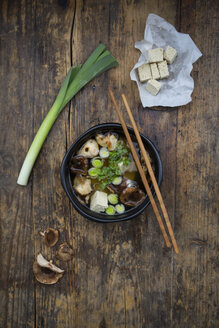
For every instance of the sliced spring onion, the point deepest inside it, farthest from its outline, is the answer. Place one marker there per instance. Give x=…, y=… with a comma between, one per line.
x=116, y=181
x=93, y=172
x=120, y=208
x=99, y=61
x=97, y=162
x=104, y=152
x=113, y=199
x=110, y=210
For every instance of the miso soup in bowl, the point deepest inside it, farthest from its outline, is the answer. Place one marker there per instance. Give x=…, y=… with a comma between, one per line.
x=100, y=177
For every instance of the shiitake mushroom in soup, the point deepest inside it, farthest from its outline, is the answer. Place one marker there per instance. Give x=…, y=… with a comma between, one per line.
x=104, y=174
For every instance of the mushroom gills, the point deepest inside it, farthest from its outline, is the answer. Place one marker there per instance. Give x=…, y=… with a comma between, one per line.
x=45, y=271
x=50, y=236
x=117, y=189
x=79, y=164
x=132, y=196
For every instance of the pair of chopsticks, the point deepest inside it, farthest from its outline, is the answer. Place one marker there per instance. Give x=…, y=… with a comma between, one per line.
x=142, y=174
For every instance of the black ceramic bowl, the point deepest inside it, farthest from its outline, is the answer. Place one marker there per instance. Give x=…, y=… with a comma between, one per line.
x=66, y=178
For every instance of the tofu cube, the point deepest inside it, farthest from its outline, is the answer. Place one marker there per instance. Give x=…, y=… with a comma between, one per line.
x=98, y=201
x=163, y=69
x=154, y=71
x=144, y=72
x=153, y=87
x=155, y=55
x=170, y=54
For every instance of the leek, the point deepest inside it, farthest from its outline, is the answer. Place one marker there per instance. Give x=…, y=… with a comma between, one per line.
x=99, y=61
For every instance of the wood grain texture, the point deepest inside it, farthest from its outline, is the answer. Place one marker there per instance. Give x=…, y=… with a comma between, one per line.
x=197, y=162
x=121, y=275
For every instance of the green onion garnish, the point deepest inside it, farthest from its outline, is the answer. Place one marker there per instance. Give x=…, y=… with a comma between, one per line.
x=104, y=152
x=99, y=61
x=116, y=181
x=93, y=172
x=96, y=162
x=110, y=210
x=113, y=199
x=120, y=208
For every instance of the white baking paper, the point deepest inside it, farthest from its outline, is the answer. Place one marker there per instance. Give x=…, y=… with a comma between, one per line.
x=177, y=89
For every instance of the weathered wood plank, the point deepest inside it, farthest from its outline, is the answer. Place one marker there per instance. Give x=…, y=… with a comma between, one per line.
x=16, y=68
x=195, y=290
x=53, y=23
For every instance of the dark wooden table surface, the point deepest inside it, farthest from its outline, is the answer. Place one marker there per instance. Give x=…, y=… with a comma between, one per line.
x=121, y=275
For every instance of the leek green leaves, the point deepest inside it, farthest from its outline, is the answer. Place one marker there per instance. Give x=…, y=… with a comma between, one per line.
x=99, y=61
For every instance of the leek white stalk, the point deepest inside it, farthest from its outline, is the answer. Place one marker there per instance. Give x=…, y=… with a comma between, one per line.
x=98, y=62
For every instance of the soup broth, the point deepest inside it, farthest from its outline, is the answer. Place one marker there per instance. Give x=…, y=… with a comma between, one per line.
x=105, y=176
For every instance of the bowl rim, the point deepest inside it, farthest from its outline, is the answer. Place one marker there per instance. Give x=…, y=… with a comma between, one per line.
x=80, y=208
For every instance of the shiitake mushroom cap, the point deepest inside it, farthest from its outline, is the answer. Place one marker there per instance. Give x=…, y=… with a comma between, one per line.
x=51, y=236
x=132, y=196
x=79, y=164
x=45, y=272
x=117, y=189
x=64, y=252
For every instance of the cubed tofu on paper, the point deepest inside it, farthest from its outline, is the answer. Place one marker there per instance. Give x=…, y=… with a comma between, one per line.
x=155, y=55
x=153, y=87
x=163, y=69
x=98, y=201
x=144, y=72
x=170, y=54
x=154, y=71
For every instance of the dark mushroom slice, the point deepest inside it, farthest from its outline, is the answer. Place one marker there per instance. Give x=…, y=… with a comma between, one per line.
x=45, y=272
x=50, y=236
x=132, y=196
x=117, y=189
x=64, y=252
x=79, y=164
x=84, y=199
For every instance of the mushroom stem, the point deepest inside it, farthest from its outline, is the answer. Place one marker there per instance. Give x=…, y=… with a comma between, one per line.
x=45, y=272
x=47, y=264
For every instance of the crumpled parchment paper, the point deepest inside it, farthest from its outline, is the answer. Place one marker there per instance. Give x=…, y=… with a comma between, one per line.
x=177, y=89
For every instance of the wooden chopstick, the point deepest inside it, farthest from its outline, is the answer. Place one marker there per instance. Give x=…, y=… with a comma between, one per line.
x=141, y=172
x=151, y=173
